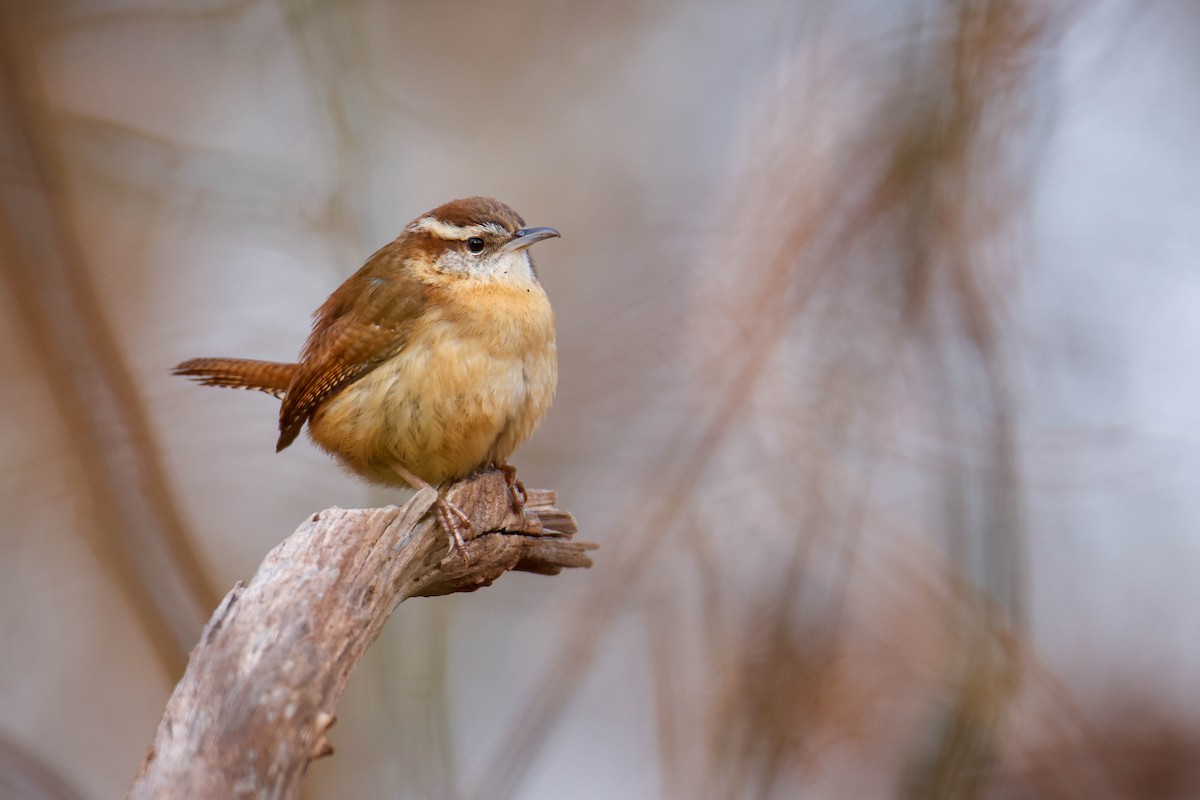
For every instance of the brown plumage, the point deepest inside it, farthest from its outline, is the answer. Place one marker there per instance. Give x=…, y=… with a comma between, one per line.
x=436, y=358
x=272, y=377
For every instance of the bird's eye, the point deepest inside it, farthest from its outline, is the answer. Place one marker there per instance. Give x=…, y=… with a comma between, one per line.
x=475, y=244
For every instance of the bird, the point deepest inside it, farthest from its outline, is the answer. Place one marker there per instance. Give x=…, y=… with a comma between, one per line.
x=436, y=359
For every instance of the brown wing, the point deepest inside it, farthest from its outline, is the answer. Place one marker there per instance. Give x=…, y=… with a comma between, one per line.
x=367, y=320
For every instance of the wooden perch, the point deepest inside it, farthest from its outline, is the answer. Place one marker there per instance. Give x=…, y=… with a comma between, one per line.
x=261, y=686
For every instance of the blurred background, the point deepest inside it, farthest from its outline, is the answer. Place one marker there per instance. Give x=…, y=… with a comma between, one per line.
x=877, y=332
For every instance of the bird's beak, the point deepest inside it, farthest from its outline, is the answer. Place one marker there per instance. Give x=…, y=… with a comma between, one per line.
x=527, y=236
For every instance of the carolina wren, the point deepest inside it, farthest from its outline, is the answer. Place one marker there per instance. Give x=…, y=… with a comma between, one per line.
x=435, y=359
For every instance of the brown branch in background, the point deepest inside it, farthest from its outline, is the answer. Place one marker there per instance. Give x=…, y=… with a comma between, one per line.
x=260, y=690
x=879, y=249
x=25, y=776
x=141, y=537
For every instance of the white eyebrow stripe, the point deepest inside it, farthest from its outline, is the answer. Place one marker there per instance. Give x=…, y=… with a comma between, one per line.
x=446, y=230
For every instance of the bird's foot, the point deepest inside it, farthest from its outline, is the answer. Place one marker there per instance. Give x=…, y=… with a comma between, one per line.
x=452, y=518
x=516, y=489
x=455, y=523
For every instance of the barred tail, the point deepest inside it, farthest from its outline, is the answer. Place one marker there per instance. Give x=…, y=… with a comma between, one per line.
x=272, y=377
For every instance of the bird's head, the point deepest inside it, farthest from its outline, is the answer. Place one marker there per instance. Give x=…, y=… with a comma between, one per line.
x=476, y=237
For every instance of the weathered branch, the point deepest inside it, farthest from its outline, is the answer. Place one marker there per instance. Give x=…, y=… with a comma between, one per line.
x=261, y=686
